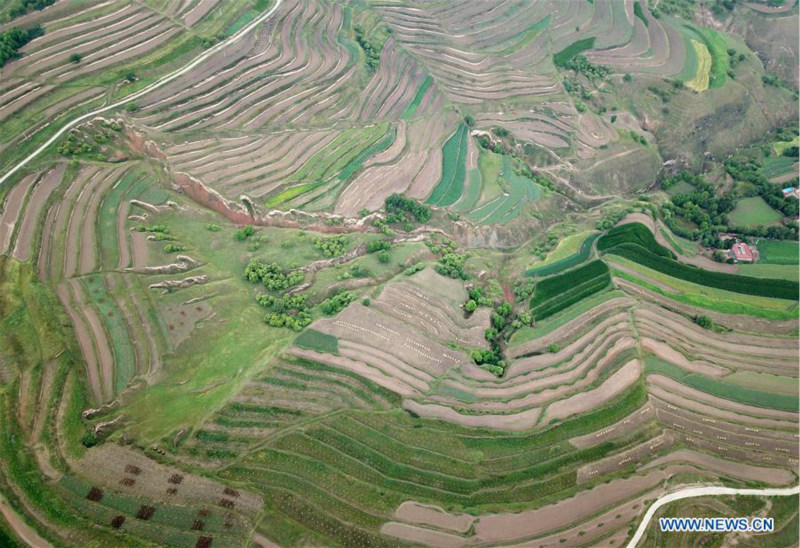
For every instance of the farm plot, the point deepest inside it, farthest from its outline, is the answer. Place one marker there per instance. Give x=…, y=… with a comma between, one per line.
x=780, y=252
x=634, y=244
x=701, y=78
x=451, y=185
x=554, y=265
x=518, y=191
x=268, y=80
x=558, y=292
x=751, y=212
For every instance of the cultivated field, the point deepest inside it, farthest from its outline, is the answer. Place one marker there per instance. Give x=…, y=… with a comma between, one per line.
x=378, y=274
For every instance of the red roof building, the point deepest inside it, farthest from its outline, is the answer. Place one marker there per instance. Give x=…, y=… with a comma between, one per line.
x=741, y=252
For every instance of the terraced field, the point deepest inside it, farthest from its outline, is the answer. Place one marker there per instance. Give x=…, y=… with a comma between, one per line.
x=365, y=274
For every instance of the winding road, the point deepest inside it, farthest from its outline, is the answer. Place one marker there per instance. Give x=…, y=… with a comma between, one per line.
x=155, y=85
x=692, y=492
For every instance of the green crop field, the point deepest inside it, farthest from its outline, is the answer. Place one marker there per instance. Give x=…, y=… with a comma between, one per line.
x=558, y=292
x=567, y=262
x=451, y=186
x=775, y=166
x=778, y=251
x=746, y=395
x=576, y=48
x=412, y=106
x=750, y=212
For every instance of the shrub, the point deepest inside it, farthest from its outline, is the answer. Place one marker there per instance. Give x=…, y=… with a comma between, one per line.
x=379, y=245
x=244, y=233
x=704, y=321
x=173, y=248
x=384, y=257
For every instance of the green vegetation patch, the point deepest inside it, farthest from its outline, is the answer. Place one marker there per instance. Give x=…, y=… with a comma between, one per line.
x=639, y=12
x=637, y=244
x=13, y=39
x=718, y=48
x=775, y=166
x=748, y=396
x=412, y=107
x=557, y=293
x=454, y=157
x=560, y=59
x=777, y=289
x=778, y=251
x=633, y=233
x=316, y=340
x=752, y=212
x=568, y=262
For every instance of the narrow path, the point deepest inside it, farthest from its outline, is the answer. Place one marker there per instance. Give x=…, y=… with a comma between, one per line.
x=21, y=529
x=155, y=85
x=704, y=492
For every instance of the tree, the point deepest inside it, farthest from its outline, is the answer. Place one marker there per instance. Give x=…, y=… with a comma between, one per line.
x=470, y=306
x=383, y=256
x=363, y=212
x=75, y=58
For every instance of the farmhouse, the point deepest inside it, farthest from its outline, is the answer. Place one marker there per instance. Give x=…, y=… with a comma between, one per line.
x=791, y=191
x=741, y=252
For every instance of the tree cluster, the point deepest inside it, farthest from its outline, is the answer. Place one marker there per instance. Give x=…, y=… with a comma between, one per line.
x=372, y=53
x=702, y=206
x=15, y=8
x=337, y=303
x=592, y=71
x=334, y=246
x=290, y=311
x=750, y=170
x=271, y=275
x=398, y=204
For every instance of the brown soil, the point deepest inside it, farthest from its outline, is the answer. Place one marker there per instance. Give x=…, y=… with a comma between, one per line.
x=495, y=528
x=523, y=420
x=429, y=515
x=612, y=387
x=421, y=536
x=683, y=390
x=12, y=210
x=629, y=423
x=772, y=476
x=85, y=342
x=26, y=533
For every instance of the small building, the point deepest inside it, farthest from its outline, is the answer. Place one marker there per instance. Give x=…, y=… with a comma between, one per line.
x=741, y=253
x=791, y=191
